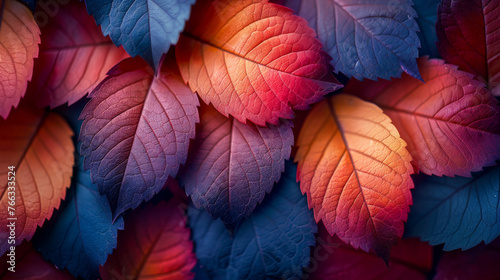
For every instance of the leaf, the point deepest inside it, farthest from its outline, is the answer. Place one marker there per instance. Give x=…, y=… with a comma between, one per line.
x=81, y=233
x=72, y=114
x=233, y=165
x=410, y=259
x=426, y=20
x=38, y=144
x=253, y=60
x=29, y=265
x=274, y=242
x=459, y=212
x=213, y=243
x=480, y=262
x=154, y=245
x=31, y=4
x=19, y=39
x=451, y=122
x=468, y=32
x=365, y=38
x=355, y=170
x=136, y=131
x=74, y=56
x=146, y=27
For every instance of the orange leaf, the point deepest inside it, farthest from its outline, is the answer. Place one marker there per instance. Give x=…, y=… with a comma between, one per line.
x=19, y=39
x=39, y=146
x=253, y=59
x=451, y=121
x=355, y=169
x=154, y=245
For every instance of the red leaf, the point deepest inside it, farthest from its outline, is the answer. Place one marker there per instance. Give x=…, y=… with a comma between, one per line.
x=154, y=245
x=136, y=131
x=451, y=122
x=469, y=36
x=233, y=165
x=480, y=262
x=39, y=146
x=30, y=265
x=410, y=260
x=253, y=60
x=19, y=39
x=355, y=170
x=74, y=57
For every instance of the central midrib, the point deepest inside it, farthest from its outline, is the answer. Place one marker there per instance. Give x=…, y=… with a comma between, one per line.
x=193, y=37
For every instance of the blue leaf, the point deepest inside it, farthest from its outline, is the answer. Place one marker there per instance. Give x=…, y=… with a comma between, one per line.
x=31, y=4
x=71, y=114
x=144, y=27
x=212, y=242
x=81, y=234
x=459, y=212
x=427, y=16
x=365, y=38
x=273, y=242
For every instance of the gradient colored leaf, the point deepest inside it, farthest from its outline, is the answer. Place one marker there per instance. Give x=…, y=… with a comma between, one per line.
x=355, y=170
x=19, y=39
x=459, y=212
x=30, y=265
x=253, y=60
x=365, y=38
x=274, y=242
x=38, y=144
x=81, y=234
x=154, y=245
x=136, y=131
x=74, y=56
x=480, y=262
x=233, y=165
x=426, y=20
x=451, y=122
x=410, y=259
x=145, y=27
x=468, y=33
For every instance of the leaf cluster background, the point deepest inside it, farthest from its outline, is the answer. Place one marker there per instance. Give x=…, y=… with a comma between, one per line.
x=250, y=139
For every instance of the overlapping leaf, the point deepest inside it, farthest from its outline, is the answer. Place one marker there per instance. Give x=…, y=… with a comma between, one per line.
x=233, y=165
x=410, y=259
x=136, y=131
x=154, y=245
x=451, y=122
x=74, y=56
x=480, y=262
x=274, y=242
x=355, y=170
x=39, y=146
x=459, y=212
x=426, y=20
x=146, y=27
x=468, y=32
x=80, y=235
x=19, y=39
x=31, y=4
x=365, y=38
x=253, y=60
x=30, y=265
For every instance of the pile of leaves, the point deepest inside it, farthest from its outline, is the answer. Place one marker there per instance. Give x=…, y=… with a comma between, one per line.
x=250, y=139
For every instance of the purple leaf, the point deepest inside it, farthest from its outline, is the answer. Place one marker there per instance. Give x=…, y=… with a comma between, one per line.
x=233, y=165
x=136, y=131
